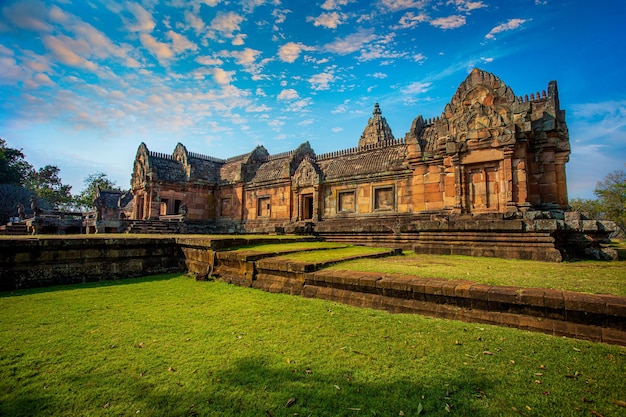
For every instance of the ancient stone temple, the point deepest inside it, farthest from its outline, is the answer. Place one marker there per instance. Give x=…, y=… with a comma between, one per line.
x=487, y=176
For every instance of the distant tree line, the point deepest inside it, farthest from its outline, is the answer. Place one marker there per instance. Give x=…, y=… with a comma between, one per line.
x=610, y=201
x=21, y=183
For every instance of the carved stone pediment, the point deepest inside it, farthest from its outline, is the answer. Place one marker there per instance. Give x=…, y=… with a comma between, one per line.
x=307, y=174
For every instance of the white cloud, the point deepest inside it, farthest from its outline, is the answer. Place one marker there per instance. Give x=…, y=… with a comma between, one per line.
x=222, y=77
x=342, y=108
x=180, y=43
x=250, y=5
x=510, y=25
x=288, y=94
x=410, y=20
x=327, y=20
x=395, y=5
x=226, y=23
x=450, y=22
x=419, y=58
x=467, y=5
x=28, y=15
x=65, y=50
x=290, y=51
x=208, y=60
x=351, y=43
x=194, y=21
x=306, y=122
x=247, y=58
x=144, y=23
x=379, y=51
x=322, y=80
x=417, y=88
x=411, y=92
x=299, y=105
x=335, y=4
x=239, y=39
x=159, y=49
x=258, y=108
x=11, y=72
x=337, y=129
x=380, y=75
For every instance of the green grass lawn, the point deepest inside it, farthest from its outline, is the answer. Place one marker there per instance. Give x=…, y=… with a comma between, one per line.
x=596, y=277
x=172, y=346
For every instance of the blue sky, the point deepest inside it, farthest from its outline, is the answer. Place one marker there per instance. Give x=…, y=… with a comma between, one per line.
x=84, y=82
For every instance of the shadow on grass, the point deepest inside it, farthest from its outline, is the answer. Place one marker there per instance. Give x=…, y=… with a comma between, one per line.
x=252, y=387
x=91, y=284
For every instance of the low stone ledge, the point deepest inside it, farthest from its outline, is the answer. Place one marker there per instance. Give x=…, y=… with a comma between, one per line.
x=561, y=313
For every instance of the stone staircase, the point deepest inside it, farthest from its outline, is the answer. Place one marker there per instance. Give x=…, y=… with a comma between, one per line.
x=14, y=229
x=152, y=227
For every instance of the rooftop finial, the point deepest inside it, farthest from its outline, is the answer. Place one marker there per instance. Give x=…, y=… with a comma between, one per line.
x=377, y=129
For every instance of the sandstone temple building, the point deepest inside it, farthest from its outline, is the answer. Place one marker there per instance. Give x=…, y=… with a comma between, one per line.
x=486, y=175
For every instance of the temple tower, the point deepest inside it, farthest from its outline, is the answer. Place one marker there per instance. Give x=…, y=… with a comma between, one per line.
x=377, y=129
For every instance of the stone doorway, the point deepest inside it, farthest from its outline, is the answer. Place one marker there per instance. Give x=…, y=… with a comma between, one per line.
x=307, y=206
x=483, y=192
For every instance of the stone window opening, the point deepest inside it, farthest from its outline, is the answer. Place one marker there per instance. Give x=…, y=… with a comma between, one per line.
x=263, y=207
x=346, y=202
x=225, y=207
x=384, y=198
x=177, y=206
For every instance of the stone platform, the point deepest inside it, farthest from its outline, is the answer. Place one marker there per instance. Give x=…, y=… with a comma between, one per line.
x=38, y=262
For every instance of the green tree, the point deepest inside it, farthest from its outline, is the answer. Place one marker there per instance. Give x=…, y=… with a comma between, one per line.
x=13, y=167
x=590, y=207
x=47, y=186
x=93, y=182
x=611, y=193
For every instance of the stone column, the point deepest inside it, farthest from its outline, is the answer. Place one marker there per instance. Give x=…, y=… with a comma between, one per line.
x=458, y=184
x=561, y=183
x=507, y=167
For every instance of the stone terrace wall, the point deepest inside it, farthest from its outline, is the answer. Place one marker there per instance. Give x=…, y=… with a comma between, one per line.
x=30, y=263
x=600, y=318
x=42, y=262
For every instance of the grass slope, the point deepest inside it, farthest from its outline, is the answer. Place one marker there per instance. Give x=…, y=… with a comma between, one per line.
x=171, y=346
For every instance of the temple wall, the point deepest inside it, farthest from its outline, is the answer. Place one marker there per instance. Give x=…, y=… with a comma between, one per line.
x=351, y=198
x=229, y=202
x=268, y=203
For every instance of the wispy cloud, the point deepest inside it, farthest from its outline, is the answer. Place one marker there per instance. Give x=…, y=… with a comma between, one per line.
x=450, y=22
x=467, y=5
x=510, y=25
x=395, y=5
x=225, y=24
x=143, y=19
x=322, y=80
x=328, y=20
x=63, y=48
x=28, y=15
x=335, y=4
x=410, y=20
x=159, y=49
x=351, y=43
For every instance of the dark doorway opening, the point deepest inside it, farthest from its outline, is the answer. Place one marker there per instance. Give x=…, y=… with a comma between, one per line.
x=307, y=207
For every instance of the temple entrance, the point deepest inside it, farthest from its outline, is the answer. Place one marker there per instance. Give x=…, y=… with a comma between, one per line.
x=307, y=206
x=139, y=202
x=483, y=188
